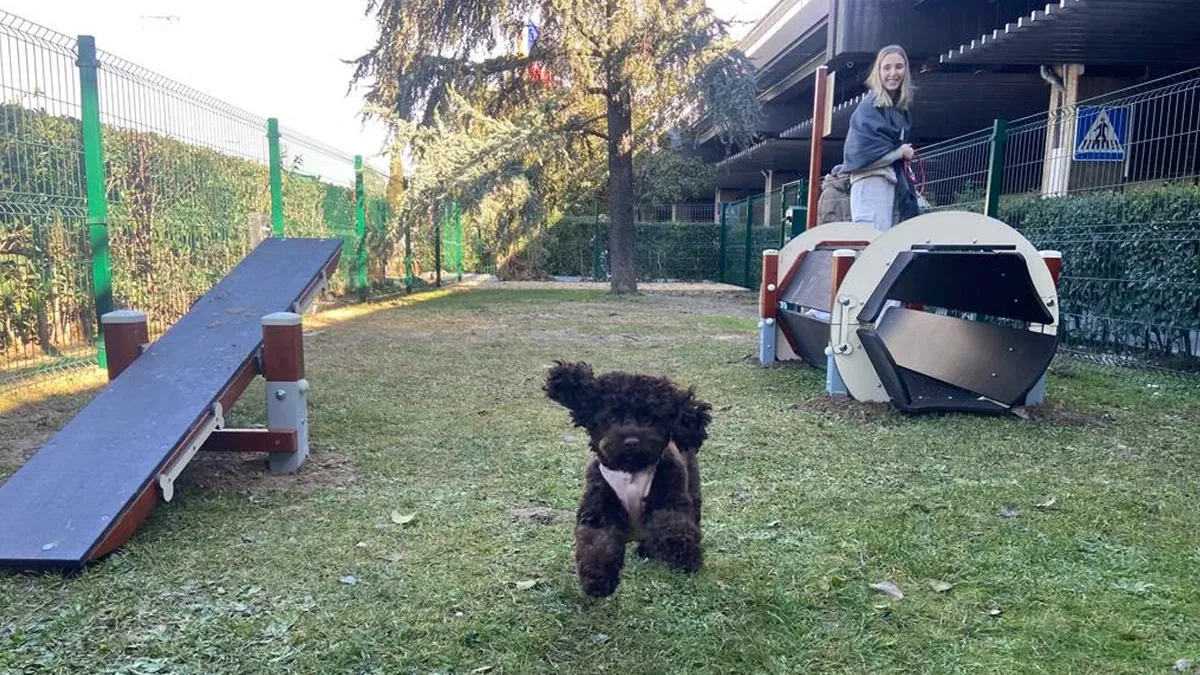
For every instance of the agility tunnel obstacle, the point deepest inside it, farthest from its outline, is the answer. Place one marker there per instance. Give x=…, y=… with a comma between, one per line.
x=948, y=311
x=90, y=487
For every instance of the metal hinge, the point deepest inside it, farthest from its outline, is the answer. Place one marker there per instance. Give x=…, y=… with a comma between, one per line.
x=166, y=480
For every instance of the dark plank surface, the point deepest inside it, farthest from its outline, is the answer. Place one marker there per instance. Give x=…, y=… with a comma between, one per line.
x=811, y=336
x=813, y=282
x=63, y=500
x=996, y=361
x=993, y=283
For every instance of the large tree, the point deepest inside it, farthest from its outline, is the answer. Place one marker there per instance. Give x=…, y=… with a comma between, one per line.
x=487, y=123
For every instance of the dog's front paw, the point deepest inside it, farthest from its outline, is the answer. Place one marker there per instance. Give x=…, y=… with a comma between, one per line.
x=599, y=557
x=600, y=585
x=675, y=540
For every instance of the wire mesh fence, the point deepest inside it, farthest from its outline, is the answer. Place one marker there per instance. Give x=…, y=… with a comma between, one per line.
x=1111, y=182
x=186, y=175
x=121, y=188
x=47, y=310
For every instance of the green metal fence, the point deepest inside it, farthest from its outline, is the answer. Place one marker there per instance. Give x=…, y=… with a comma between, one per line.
x=1125, y=213
x=752, y=225
x=121, y=188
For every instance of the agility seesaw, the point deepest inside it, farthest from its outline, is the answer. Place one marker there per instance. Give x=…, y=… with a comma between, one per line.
x=948, y=311
x=90, y=487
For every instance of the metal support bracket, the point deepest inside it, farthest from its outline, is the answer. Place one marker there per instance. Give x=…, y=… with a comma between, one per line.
x=301, y=305
x=166, y=480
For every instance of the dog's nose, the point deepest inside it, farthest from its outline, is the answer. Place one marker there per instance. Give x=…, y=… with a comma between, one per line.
x=631, y=441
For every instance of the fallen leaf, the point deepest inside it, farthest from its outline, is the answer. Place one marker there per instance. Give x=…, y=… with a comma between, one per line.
x=995, y=611
x=484, y=669
x=361, y=544
x=940, y=586
x=1010, y=512
x=569, y=438
x=248, y=539
x=526, y=585
x=400, y=519
x=889, y=589
x=883, y=607
x=1048, y=503
x=599, y=637
x=773, y=523
x=1183, y=665
x=349, y=581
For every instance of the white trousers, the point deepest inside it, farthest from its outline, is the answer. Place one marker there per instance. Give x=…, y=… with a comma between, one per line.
x=872, y=200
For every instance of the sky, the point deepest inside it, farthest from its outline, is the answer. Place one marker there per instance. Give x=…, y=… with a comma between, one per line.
x=265, y=56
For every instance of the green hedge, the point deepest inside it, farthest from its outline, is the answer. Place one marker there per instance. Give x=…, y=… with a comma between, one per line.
x=1131, y=265
x=574, y=245
x=179, y=219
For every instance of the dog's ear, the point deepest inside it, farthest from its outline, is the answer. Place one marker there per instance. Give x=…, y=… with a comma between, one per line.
x=570, y=384
x=691, y=425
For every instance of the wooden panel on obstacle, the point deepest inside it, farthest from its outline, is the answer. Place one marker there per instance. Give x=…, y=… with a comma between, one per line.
x=92, y=484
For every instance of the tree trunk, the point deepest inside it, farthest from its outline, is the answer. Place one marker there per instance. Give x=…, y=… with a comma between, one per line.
x=622, y=235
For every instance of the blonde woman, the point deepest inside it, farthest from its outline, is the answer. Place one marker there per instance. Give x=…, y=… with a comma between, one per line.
x=877, y=145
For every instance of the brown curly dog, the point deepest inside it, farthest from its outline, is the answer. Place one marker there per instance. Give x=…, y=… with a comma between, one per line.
x=644, y=481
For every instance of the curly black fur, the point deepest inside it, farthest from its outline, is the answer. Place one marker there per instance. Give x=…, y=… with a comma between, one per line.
x=634, y=421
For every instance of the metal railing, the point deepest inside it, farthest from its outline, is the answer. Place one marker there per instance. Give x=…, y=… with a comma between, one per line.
x=1112, y=183
x=120, y=187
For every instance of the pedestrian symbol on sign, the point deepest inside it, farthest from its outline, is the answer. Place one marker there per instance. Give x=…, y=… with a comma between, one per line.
x=1101, y=134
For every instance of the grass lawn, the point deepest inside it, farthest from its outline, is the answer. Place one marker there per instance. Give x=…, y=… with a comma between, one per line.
x=1071, y=541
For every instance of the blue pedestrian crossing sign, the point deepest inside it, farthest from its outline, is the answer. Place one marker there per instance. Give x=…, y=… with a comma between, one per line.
x=1101, y=134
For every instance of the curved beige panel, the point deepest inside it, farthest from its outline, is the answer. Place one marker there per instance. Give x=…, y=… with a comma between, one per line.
x=943, y=227
x=807, y=241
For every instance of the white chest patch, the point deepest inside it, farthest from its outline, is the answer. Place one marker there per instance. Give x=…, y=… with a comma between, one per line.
x=631, y=489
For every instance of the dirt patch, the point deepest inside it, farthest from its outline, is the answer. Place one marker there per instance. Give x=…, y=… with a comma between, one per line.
x=536, y=515
x=240, y=473
x=845, y=409
x=1059, y=415
x=24, y=430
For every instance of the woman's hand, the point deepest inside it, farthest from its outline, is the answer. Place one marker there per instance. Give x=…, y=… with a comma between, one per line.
x=908, y=151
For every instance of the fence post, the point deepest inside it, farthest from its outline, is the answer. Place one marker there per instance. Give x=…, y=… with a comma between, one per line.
x=783, y=209
x=597, y=263
x=721, y=244
x=749, y=236
x=360, y=225
x=995, y=177
x=458, y=239
x=97, y=192
x=408, y=260
x=276, y=173
x=437, y=247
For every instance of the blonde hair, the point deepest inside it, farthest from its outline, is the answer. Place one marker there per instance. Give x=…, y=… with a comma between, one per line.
x=882, y=98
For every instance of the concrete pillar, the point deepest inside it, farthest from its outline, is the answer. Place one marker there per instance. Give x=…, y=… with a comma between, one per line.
x=1060, y=133
x=724, y=195
x=775, y=179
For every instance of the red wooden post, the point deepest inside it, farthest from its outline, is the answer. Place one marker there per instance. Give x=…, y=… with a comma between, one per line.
x=1054, y=262
x=287, y=390
x=768, y=293
x=843, y=258
x=125, y=332
x=283, y=347
x=818, y=133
